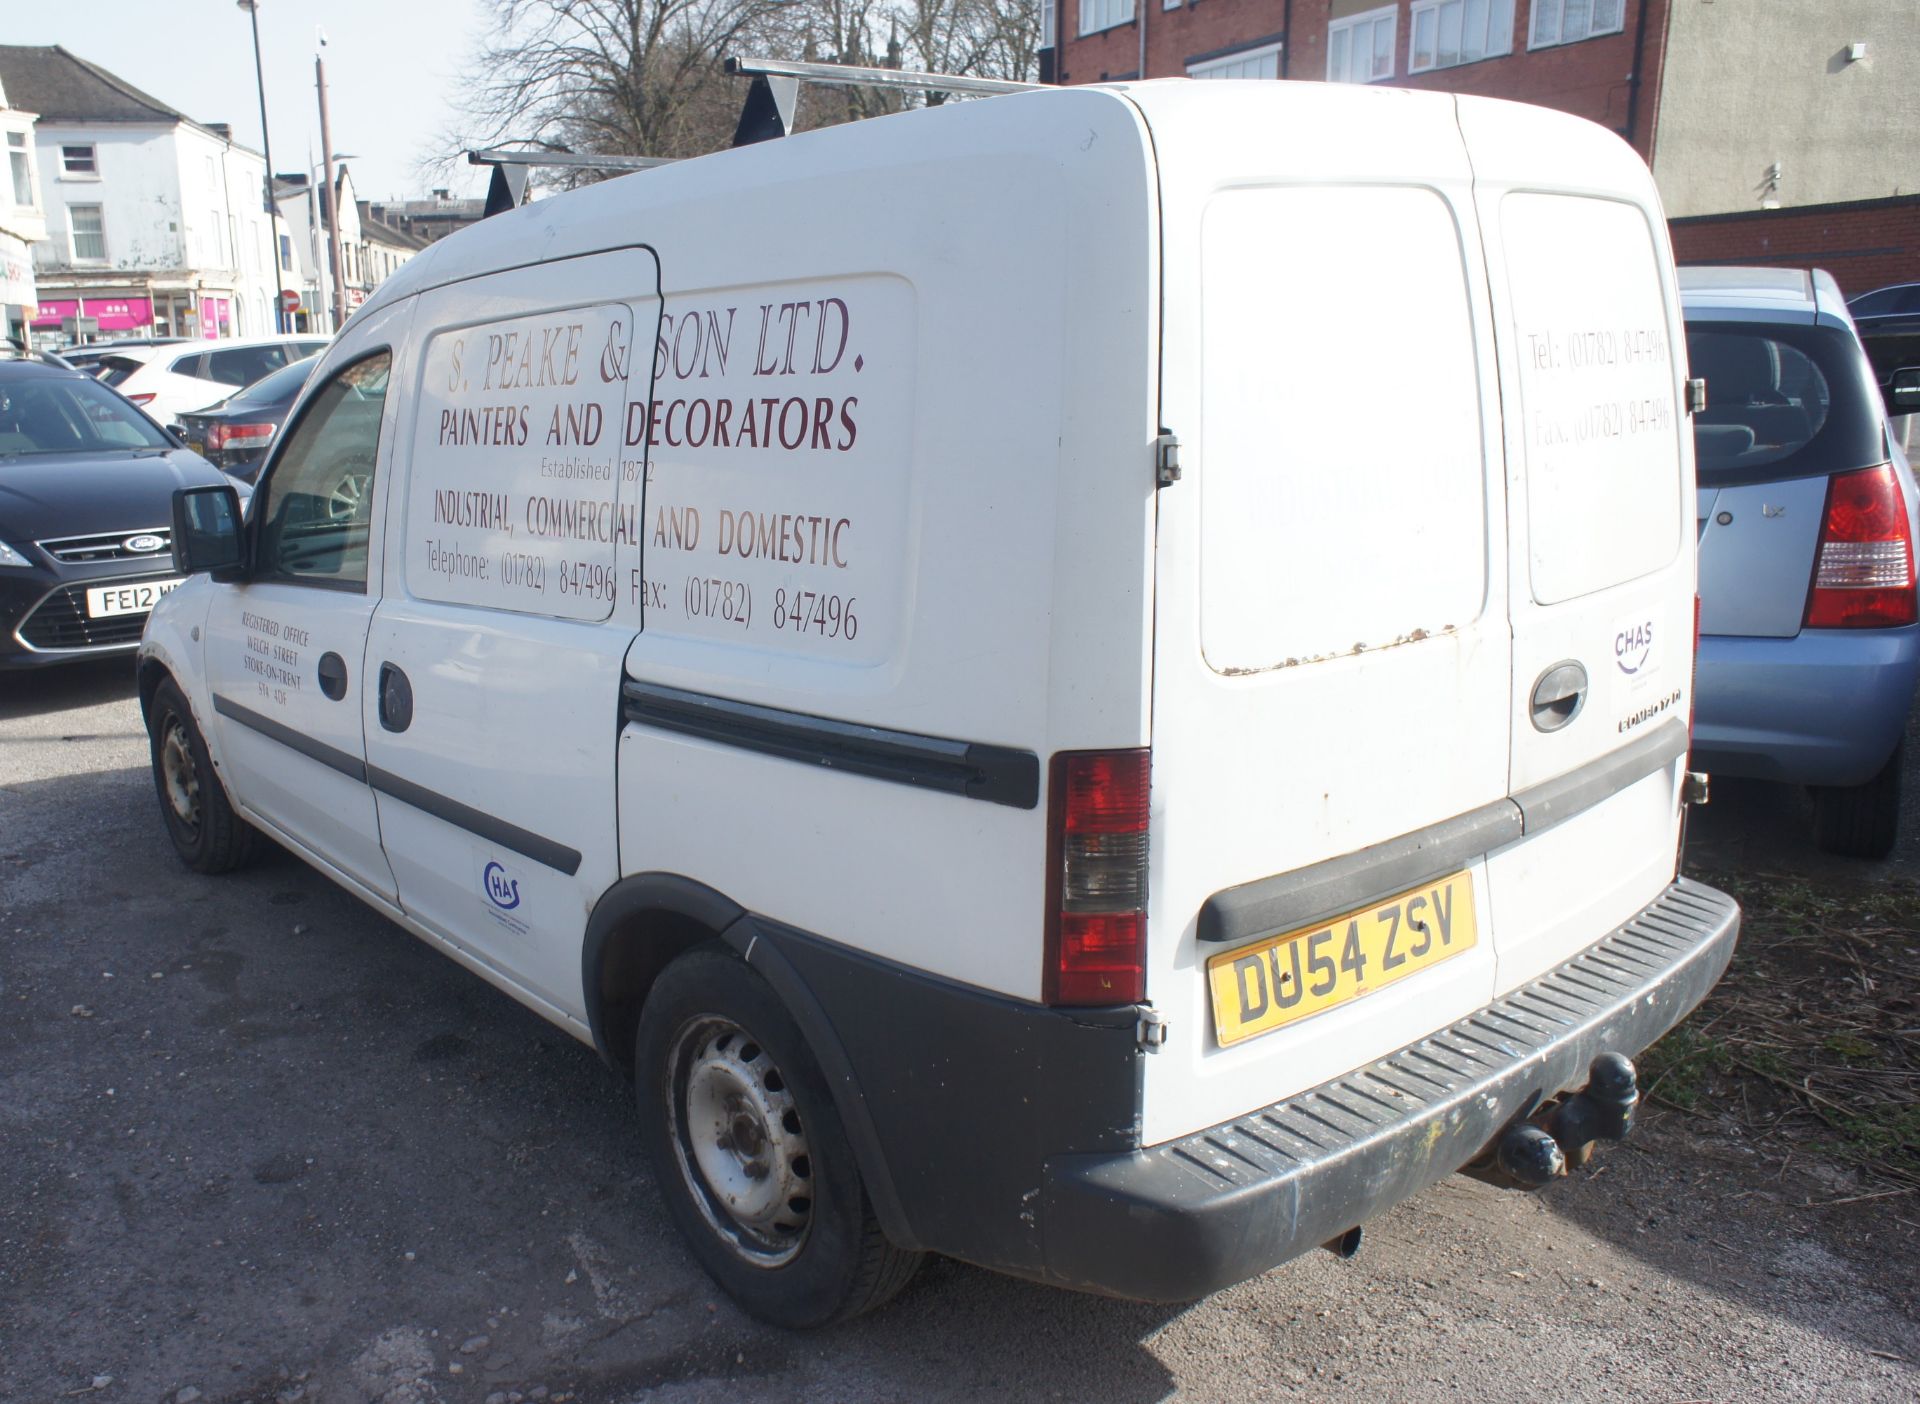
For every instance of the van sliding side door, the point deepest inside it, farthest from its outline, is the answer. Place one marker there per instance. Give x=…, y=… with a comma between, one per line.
x=513, y=590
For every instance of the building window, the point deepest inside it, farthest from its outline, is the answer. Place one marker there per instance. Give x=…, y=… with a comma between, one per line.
x=1048, y=35
x=78, y=163
x=89, y=233
x=286, y=253
x=22, y=169
x=1569, y=21
x=1096, y=15
x=1447, y=33
x=1263, y=62
x=1360, y=47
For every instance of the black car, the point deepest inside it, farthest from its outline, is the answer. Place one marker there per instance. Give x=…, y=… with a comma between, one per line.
x=234, y=434
x=1888, y=320
x=86, y=502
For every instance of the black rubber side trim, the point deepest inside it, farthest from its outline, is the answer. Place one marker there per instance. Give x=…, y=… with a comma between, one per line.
x=517, y=840
x=856, y=1113
x=619, y=906
x=1300, y=898
x=509, y=836
x=1558, y=800
x=1267, y=905
x=977, y=770
x=333, y=758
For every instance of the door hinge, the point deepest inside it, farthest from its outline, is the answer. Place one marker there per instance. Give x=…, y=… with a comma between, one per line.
x=1696, y=395
x=1166, y=458
x=1696, y=791
x=1151, y=1029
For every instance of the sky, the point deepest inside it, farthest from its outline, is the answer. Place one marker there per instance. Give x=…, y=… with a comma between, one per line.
x=394, y=68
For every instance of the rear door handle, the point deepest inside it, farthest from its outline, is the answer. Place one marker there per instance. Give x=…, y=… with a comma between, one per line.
x=396, y=699
x=1558, y=695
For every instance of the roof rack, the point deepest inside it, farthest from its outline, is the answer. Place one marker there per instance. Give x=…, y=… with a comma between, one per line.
x=767, y=113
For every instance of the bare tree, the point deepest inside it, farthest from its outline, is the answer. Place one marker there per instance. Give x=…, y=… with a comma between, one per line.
x=631, y=77
x=644, y=77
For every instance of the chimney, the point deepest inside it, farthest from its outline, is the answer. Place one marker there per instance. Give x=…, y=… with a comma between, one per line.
x=223, y=130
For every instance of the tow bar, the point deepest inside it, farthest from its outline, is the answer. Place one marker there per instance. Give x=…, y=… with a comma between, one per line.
x=1540, y=1148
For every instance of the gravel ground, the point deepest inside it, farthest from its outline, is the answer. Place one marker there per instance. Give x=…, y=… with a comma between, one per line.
x=258, y=1144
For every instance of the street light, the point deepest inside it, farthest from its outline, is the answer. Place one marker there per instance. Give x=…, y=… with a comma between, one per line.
x=252, y=7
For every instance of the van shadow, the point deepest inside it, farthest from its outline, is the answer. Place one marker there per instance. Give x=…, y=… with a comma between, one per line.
x=322, y=1092
x=66, y=687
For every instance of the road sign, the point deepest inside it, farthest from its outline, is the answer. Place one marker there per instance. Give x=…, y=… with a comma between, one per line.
x=290, y=299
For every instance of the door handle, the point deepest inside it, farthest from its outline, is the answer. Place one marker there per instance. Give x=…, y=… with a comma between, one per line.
x=333, y=675
x=396, y=699
x=1558, y=695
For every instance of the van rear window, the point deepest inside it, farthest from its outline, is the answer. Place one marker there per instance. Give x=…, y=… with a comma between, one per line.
x=1783, y=401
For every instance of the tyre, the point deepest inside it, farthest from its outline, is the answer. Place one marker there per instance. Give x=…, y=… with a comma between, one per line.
x=750, y=1153
x=206, y=833
x=1861, y=821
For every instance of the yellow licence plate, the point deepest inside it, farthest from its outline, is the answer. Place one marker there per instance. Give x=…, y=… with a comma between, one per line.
x=1288, y=977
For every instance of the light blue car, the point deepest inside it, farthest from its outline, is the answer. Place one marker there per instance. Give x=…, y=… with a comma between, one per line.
x=1809, y=638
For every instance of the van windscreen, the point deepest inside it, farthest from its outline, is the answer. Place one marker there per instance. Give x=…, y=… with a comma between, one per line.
x=1783, y=401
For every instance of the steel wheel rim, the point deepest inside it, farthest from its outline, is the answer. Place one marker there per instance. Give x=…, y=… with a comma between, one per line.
x=739, y=1141
x=180, y=775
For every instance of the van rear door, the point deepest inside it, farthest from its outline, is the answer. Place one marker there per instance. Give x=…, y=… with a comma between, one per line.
x=1332, y=671
x=1600, y=527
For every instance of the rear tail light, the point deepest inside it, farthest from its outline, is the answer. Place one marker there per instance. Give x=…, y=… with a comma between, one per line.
x=238, y=438
x=146, y=399
x=1097, y=878
x=1863, y=574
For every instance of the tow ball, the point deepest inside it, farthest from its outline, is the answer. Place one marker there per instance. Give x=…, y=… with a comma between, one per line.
x=1530, y=1153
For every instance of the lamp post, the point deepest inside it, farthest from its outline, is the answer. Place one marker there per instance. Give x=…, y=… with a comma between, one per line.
x=252, y=7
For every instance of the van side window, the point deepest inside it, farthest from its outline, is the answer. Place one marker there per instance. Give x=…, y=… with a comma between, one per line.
x=316, y=506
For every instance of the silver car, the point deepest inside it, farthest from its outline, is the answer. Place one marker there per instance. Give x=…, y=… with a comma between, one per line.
x=1809, y=637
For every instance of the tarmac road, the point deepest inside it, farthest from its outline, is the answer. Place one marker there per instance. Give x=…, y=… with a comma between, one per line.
x=258, y=1144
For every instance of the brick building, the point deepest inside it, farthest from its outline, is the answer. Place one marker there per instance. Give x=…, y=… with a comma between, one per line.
x=1778, y=133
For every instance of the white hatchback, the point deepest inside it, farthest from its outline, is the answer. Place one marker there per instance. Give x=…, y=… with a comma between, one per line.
x=168, y=381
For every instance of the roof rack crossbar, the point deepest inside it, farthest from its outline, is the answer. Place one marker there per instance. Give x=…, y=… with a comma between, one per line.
x=848, y=75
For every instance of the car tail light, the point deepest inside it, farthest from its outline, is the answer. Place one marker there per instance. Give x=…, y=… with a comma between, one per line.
x=238, y=438
x=1097, y=878
x=146, y=399
x=1863, y=574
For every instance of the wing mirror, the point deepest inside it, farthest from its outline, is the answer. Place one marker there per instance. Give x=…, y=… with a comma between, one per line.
x=207, y=534
x=1903, y=391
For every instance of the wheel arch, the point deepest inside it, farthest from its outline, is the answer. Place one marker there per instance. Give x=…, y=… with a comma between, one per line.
x=642, y=923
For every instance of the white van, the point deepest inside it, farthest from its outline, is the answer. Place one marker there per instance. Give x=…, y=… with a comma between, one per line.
x=1095, y=681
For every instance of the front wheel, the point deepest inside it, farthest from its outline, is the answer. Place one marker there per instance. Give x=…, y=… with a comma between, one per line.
x=749, y=1151
x=1861, y=821
x=206, y=832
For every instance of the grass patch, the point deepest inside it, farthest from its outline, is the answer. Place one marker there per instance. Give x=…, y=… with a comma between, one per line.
x=1812, y=1040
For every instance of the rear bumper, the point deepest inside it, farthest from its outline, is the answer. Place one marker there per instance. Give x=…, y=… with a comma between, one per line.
x=1179, y=1220
x=1825, y=707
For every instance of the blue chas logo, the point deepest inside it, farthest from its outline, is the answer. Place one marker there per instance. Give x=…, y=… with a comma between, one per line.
x=503, y=891
x=1633, y=646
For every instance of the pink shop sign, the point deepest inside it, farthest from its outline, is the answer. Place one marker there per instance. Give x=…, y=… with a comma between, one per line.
x=111, y=313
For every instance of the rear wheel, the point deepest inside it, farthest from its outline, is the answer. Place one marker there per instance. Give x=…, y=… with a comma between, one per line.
x=749, y=1151
x=1861, y=821
x=206, y=833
